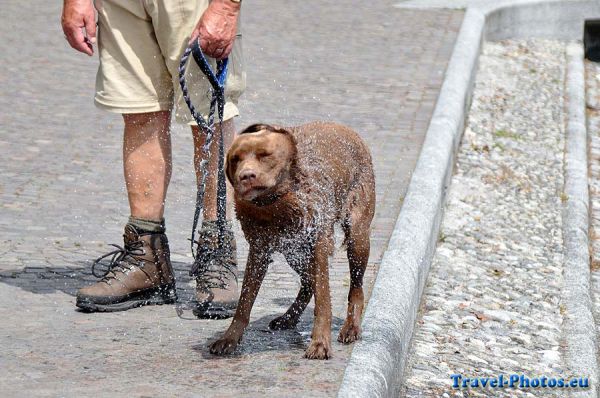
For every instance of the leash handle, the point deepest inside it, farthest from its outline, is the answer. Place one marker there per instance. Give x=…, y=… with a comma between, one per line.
x=217, y=82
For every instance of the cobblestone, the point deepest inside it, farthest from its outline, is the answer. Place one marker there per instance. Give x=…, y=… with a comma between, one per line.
x=593, y=114
x=492, y=303
x=593, y=119
x=62, y=196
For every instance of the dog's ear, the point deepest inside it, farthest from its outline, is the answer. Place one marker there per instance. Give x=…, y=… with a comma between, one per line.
x=255, y=128
x=228, y=171
x=292, y=140
x=293, y=147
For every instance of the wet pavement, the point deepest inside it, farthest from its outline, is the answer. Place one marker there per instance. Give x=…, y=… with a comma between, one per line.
x=376, y=68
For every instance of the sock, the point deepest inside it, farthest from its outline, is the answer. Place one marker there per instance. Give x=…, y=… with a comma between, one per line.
x=143, y=226
x=212, y=224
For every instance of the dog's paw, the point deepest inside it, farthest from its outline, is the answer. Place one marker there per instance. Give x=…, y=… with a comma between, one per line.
x=223, y=346
x=349, y=333
x=283, y=323
x=318, y=350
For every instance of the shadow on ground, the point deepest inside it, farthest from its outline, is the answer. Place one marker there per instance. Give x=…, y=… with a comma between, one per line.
x=257, y=338
x=67, y=279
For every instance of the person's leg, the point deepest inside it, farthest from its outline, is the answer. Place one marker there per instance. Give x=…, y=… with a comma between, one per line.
x=215, y=263
x=147, y=163
x=147, y=166
x=210, y=195
x=134, y=80
x=216, y=279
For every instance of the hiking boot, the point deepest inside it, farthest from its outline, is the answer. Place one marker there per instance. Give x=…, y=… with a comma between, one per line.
x=215, y=270
x=139, y=273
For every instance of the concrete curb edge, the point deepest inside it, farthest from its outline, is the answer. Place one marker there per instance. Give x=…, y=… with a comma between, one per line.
x=579, y=327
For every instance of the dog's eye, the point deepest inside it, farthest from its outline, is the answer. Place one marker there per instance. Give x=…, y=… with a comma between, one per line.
x=235, y=159
x=261, y=155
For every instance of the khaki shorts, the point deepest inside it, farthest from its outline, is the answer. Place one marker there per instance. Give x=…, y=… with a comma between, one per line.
x=140, y=44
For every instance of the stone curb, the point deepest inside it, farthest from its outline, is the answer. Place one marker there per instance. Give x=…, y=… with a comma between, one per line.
x=579, y=327
x=377, y=362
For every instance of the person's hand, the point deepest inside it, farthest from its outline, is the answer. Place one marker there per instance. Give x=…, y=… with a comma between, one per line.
x=217, y=28
x=78, y=15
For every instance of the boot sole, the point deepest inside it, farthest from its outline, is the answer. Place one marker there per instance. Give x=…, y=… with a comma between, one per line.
x=211, y=311
x=154, y=296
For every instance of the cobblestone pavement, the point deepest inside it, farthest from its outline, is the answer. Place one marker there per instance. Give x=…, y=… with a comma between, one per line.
x=492, y=302
x=375, y=68
x=593, y=116
x=592, y=70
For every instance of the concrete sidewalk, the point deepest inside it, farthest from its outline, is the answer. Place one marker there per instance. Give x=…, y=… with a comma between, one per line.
x=376, y=68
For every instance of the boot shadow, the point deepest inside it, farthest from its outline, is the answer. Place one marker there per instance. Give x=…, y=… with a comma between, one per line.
x=68, y=279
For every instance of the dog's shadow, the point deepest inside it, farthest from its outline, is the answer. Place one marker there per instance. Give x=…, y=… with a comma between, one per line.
x=259, y=338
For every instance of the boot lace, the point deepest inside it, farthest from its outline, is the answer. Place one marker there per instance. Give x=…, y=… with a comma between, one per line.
x=213, y=264
x=122, y=259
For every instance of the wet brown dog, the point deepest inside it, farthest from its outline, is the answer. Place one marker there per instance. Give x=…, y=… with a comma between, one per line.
x=291, y=187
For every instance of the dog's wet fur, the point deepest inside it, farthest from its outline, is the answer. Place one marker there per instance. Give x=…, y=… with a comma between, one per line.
x=291, y=185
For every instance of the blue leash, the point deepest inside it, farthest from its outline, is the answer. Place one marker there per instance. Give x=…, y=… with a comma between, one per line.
x=217, y=103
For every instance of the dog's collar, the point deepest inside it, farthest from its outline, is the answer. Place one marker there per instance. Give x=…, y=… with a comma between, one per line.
x=272, y=197
x=266, y=200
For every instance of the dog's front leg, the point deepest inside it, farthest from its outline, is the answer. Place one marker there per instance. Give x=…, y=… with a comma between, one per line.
x=320, y=343
x=256, y=268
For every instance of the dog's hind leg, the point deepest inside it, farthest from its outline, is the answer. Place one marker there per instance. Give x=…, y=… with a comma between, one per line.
x=299, y=260
x=357, y=230
x=358, y=256
x=320, y=343
x=290, y=319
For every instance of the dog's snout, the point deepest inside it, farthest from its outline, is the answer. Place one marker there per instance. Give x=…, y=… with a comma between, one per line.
x=247, y=175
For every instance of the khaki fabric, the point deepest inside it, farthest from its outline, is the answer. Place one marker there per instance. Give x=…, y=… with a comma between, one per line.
x=140, y=44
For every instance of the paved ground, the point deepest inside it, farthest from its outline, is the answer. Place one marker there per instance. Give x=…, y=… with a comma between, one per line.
x=376, y=68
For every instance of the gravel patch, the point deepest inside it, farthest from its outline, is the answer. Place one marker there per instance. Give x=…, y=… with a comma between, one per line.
x=593, y=119
x=492, y=303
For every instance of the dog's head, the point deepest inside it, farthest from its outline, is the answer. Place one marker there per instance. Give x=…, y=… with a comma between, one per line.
x=261, y=163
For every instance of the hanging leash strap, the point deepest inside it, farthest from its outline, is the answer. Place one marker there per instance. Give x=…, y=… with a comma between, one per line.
x=217, y=103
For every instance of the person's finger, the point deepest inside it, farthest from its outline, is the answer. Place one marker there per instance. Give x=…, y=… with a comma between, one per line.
x=211, y=47
x=194, y=37
x=208, y=43
x=214, y=48
x=227, y=51
x=76, y=39
x=218, y=53
x=90, y=28
x=204, y=45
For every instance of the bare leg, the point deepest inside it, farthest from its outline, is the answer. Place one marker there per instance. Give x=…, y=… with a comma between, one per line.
x=147, y=162
x=210, y=195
